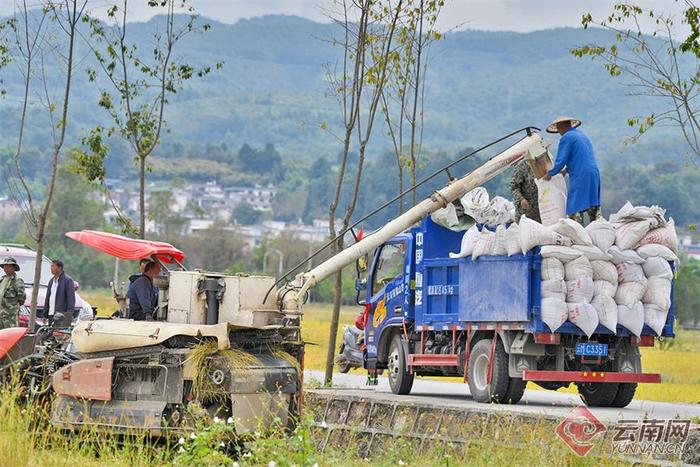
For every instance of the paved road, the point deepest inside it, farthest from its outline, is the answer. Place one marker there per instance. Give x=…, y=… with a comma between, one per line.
x=550, y=403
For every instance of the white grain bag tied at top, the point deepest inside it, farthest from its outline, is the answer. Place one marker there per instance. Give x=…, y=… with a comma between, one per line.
x=631, y=317
x=628, y=235
x=499, y=245
x=607, y=311
x=551, y=197
x=580, y=290
x=665, y=236
x=658, y=293
x=604, y=289
x=498, y=211
x=629, y=213
x=513, y=240
x=552, y=269
x=446, y=217
x=553, y=312
x=630, y=293
x=578, y=268
x=553, y=289
x=562, y=253
x=657, y=267
x=475, y=203
x=624, y=256
x=534, y=234
x=604, y=271
x=468, y=241
x=573, y=230
x=484, y=244
x=593, y=253
x=583, y=315
x=655, y=250
x=602, y=233
x=655, y=318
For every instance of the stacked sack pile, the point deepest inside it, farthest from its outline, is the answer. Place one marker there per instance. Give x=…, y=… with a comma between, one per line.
x=607, y=273
x=644, y=244
x=571, y=288
x=492, y=213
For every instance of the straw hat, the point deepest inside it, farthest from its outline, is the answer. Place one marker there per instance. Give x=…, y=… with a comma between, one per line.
x=552, y=127
x=11, y=261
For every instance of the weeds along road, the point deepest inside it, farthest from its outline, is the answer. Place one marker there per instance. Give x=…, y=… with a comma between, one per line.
x=546, y=403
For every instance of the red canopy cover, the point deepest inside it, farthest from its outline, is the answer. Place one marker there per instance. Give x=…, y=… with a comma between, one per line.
x=126, y=248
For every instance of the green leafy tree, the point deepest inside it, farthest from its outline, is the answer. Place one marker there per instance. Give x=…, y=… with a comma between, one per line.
x=214, y=249
x=367, y=41
x=403, y=98
x=34, y=45
x=653, y=63
x=687, y=293
x=245, y=214
x=140, y=84
x=75, y=208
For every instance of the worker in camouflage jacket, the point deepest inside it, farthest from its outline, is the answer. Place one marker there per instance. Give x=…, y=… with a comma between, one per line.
x=12, y=294
x=524, y=190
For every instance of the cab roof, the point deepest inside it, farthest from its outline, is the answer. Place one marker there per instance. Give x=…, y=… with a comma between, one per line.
x=127, y=248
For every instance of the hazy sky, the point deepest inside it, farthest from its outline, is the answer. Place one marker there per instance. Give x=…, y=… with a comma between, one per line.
x=511, y=15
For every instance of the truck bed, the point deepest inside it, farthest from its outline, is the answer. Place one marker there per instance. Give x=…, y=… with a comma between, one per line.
x=491, y=291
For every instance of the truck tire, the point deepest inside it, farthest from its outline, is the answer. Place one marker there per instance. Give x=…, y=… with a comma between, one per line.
x=400, y=379
x=516, y=389
x=625, y=394
x=478, y=371
x=598, y=394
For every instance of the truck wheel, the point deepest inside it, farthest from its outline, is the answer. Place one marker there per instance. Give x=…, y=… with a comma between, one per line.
x=400, y=379
x=478, y=371
x=598, y=394
x=516, y=389
x=625, y=394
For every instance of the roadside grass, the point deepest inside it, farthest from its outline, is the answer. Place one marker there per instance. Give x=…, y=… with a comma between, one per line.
x=678, y=363
x=27, y=439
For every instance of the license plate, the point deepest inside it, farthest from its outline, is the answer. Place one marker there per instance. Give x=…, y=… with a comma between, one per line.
x=592, y=349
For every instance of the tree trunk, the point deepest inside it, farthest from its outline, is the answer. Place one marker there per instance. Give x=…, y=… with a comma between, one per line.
x=335, y=318
x=142, y=197
x=37, y=275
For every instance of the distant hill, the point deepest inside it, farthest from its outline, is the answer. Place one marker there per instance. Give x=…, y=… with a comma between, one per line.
x=272, y=89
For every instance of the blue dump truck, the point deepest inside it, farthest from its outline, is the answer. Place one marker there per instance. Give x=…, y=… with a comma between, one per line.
x=431, y=315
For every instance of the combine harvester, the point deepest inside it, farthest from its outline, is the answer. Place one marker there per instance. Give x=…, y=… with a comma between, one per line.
x=231, y=346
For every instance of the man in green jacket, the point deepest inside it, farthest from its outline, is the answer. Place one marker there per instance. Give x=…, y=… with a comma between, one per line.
x=12, y=294
x=524, y=191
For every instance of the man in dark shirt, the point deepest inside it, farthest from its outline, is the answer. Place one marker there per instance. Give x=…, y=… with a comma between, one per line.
x=142, y=299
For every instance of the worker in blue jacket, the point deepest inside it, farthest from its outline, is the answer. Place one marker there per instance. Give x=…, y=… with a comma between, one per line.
x=576, y=156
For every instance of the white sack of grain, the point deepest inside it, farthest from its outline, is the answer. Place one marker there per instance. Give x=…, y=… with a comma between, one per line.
x=468, y=241
x=583, y=315
x=573, y=230
x=632, y=317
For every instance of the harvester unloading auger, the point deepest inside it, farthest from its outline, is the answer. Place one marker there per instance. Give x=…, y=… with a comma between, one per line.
x=226, y=345
x=531, y=148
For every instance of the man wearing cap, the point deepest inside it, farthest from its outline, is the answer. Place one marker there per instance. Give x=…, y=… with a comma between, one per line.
x=576, y=156
x=12, y=294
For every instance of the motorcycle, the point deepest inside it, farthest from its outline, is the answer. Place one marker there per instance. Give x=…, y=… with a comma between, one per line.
x=350, y=354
